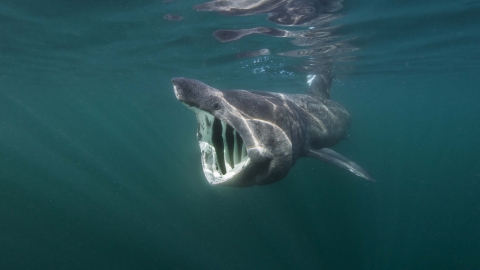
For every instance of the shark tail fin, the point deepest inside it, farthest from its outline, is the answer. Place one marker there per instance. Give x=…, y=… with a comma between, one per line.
x=338, y=160
x=320, y=85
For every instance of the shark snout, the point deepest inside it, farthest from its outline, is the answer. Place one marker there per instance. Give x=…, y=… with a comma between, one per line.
x=177, y=81
x=177, y=88
x=193, y=92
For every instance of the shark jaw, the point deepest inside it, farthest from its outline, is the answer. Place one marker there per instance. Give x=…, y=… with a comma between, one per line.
x=223, y=151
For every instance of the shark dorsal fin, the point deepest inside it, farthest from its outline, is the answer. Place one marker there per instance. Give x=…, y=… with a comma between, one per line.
x=320, y=85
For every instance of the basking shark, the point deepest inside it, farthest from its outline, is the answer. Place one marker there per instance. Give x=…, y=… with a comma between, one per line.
x=250, y=138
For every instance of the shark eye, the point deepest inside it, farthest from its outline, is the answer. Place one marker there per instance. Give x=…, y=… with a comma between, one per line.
x=216, y=106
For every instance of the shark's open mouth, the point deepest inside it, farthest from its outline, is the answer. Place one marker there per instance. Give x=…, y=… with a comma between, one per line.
x=224, y=153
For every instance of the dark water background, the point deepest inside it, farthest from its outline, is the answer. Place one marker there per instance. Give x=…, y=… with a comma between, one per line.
x=100, y=167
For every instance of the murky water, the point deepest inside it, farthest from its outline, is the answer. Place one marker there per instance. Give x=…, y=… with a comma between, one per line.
x=100, y=166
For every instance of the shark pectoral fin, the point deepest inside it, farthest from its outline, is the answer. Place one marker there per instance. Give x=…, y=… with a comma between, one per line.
x=336, y=159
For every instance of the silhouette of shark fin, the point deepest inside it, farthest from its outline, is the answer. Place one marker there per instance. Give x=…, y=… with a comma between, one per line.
x=338, y=160
x=320, y=85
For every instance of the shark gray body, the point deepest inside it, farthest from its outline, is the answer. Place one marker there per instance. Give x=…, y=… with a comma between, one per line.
x=252, y=138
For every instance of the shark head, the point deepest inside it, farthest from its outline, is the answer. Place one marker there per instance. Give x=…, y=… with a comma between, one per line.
x=241, y=144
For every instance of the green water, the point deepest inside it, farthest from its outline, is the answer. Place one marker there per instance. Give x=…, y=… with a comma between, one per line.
x=100, y=166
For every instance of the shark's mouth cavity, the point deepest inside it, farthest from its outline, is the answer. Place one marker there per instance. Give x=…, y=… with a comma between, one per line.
x=224, y=153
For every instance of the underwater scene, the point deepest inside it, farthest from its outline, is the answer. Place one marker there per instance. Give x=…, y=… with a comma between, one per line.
x=239, y=134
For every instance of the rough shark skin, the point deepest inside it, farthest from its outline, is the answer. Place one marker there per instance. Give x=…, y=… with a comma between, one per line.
x=250, y=138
